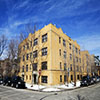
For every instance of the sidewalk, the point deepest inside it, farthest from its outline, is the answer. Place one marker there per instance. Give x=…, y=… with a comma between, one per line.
x=56, y=88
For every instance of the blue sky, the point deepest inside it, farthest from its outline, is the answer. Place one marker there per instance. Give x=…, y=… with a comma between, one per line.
x=79, y=19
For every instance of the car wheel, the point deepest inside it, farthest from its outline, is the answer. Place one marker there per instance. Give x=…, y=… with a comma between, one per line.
x=12, y=85
x=6, y=84
x=16, y=85
x=87, y=84
x=3, y=84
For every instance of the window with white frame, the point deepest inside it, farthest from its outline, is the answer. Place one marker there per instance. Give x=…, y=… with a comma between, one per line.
x=35, y=41
x=44, y=51
x=44, y=38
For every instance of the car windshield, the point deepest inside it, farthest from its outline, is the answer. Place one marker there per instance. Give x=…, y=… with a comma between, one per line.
x=17, y=78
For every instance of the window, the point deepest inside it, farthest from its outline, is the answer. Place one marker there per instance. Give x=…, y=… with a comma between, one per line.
x=60, y=78
x=23, y=69
x=78, y=77
x=44, y=51
x=71, y=77
x=31, y=55
x=64, y=42
x=65, y=66
x=26, y=77
x=44, y=65
x=65, y=78
x=27, y=45
x=60, y=66
x=70, y=56
x=76, y=59
x=26, y=68
x=64, y=54
x=30, y=43
x=60, y=52
x=30, y=77
x=44, y=38
x=76, y=50
x=27, y=56
x=35, y=41
x=23, y=47
x=30, y=67
x=35, y=54
x=59, y=39
x=44, y=79
x=23, y=57
x=71, y=67
x=77, y=68
x=70, y=45
x=35, y=67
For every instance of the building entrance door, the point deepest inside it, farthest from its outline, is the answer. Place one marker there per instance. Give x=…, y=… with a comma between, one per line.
x=35, y=78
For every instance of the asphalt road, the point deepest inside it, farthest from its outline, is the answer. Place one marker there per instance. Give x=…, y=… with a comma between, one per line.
x=85, y=93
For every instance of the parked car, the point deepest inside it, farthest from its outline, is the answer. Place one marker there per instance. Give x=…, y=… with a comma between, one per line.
x=98, y=79
x=1, y=81
x=94, y=78
x=86, y=80
x=17, y=82
x=7, y=81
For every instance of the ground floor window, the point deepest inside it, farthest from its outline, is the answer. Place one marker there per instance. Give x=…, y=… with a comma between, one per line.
x=44, y=79
x=26, y=77
x=30, y=77
x=60, y=78
x=71, y=77
x=65, y=78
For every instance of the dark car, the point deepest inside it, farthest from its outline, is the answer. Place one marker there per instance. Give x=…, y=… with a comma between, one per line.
x=94, y=78
x=97, y=78
x=86, y=80
x=1, y=81
x=7, y=81
x=17, y=82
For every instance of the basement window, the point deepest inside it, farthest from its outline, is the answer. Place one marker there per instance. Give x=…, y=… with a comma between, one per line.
x=44, y=79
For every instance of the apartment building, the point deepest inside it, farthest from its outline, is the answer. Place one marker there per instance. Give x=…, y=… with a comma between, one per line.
x=50, y=57
x=87, y=62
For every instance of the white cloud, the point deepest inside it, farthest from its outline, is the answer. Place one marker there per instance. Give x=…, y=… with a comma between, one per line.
x=90, y=43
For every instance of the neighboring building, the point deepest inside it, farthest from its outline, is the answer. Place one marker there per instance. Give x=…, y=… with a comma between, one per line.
x=50, y=57
x=86, y=63
x=97, y=65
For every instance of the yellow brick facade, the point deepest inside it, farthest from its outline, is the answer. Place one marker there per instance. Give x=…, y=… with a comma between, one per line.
x=86, y=63
x=58, y=57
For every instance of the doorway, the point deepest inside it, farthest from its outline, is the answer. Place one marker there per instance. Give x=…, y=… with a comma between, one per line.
x=35, y=77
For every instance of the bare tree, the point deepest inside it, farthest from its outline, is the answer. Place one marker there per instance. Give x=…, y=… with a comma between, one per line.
x=3, y=44
x=13, y=56
x=30, y=28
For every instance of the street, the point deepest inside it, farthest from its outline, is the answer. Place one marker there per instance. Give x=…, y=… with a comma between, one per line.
x=86, y=93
